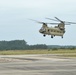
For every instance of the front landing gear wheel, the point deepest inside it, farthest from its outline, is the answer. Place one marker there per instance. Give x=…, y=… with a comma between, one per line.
x=44, y=35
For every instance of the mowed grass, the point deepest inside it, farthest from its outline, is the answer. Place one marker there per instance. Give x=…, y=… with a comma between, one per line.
x=63, y=52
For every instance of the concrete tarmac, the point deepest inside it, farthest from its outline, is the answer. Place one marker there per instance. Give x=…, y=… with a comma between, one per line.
x=37, y=65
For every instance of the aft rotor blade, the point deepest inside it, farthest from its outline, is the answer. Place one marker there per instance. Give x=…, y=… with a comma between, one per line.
x=51, y=19
x=67, y=24
x=70, y=22
x=58, y=19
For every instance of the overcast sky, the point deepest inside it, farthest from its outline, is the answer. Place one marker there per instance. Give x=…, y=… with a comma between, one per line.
x=14, y=23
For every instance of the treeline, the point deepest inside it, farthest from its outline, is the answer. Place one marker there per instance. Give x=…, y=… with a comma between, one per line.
x=22, y=45
x=19, y=45
x=56, y=47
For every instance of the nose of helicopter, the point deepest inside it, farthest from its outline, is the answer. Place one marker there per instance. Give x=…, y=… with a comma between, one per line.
x=40, y=31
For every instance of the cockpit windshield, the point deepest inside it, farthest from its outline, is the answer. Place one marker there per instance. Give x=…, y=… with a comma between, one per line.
x=43, y=29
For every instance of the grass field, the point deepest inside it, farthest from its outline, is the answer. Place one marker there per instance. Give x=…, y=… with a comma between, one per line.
x=63, y=52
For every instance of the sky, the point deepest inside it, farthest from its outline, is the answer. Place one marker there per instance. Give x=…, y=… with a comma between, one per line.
x=15, y=23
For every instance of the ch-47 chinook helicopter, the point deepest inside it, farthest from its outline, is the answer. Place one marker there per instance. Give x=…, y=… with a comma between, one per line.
x=58, y=30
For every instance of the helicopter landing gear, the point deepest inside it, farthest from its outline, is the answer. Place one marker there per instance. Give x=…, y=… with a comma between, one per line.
x=61, y=36
x=44, y=35
x=51, y=36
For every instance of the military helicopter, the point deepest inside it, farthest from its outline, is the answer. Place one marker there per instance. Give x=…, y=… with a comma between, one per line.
x=58, y=30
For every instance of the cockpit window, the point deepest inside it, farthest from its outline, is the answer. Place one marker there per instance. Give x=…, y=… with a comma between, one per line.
x=43, y=29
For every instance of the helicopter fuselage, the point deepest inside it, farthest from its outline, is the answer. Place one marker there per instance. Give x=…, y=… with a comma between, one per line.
x=58, y=30
x=53, y=31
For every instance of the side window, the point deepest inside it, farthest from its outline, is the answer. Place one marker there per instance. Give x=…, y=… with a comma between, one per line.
x=48, y=30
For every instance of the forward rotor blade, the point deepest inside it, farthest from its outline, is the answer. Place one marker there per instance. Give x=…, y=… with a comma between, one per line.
x=53, y=23
x=37, y=21
x=42, y=22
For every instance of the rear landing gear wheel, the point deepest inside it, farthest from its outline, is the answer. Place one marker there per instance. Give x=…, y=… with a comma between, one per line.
x=62, y=36
x=51, y=36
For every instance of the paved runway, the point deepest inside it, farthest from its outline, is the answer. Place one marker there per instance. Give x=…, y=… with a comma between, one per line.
x=36, y=65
